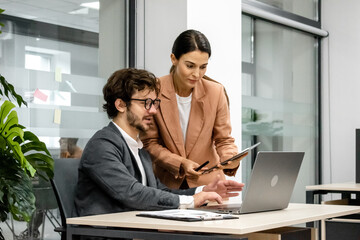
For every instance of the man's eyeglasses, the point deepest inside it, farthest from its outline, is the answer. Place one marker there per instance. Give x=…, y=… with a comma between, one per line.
x=149, y=102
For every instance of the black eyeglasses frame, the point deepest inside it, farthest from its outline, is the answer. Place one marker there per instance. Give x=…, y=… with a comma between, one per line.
x=149, y=102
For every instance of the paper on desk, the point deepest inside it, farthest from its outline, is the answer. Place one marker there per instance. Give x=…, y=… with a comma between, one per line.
x=186, y=215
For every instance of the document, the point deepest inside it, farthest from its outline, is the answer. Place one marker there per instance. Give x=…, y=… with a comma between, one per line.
x=186, y=215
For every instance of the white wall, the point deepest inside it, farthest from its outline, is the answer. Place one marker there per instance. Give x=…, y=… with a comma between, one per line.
x=221, y=23
x=340, y=88
x=112, y=41
x=160, y=22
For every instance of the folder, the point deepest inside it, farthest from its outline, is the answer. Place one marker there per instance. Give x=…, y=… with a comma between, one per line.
x=186, y=215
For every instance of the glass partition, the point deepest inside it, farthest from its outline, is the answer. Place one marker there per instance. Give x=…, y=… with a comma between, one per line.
x=280, y=92
x=50, y=52
x=304, y=8
x=59, y=81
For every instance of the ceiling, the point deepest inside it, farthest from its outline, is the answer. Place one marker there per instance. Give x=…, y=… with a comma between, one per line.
x=67, y=13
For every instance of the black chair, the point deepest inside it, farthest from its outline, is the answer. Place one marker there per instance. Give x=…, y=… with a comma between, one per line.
x=64, y=185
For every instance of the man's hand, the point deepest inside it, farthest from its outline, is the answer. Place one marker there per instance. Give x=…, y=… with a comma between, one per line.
x=203, y=197
x=217, y=190
x=225, y=188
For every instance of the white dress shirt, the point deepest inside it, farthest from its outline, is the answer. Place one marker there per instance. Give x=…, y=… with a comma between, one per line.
x=135, y=145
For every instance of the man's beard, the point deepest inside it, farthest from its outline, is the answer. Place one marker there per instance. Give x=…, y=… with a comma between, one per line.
x=135, y=121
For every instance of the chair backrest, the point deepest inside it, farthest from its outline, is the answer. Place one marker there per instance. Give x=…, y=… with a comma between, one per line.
x=64, y=185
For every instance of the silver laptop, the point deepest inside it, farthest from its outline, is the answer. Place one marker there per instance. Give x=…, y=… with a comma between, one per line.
x=270, y=186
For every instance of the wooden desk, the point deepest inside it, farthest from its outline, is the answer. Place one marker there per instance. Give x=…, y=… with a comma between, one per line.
x=346, y=189
x=127, y=225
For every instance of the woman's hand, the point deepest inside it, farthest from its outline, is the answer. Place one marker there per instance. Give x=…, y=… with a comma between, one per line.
x=188, y=167
x=232, y=164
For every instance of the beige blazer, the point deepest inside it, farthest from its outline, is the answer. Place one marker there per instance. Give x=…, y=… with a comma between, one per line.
x=208, y=135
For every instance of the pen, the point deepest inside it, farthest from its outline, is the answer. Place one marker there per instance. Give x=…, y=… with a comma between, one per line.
x=201, y=166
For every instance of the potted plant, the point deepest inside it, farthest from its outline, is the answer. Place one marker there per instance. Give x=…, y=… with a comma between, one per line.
x=22, y=156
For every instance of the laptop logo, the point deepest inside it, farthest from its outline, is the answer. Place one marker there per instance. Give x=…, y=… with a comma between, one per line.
x=274, y=180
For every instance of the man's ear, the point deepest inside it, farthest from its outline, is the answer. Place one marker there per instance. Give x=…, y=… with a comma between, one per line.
x=120, y=105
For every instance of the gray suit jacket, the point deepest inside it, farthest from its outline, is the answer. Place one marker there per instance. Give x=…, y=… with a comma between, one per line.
x=110, y=180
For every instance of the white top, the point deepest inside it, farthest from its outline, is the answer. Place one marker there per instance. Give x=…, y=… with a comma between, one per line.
x=184, y=106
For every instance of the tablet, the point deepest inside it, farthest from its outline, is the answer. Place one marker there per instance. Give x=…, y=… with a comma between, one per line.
x=240, y=154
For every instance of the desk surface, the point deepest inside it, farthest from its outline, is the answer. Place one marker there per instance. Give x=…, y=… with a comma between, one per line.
x=247, y=223
x=353, y=187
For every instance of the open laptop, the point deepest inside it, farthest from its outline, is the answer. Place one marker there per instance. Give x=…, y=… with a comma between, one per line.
x=270, y=186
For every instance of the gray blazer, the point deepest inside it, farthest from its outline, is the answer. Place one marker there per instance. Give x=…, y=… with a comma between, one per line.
x=110, y=180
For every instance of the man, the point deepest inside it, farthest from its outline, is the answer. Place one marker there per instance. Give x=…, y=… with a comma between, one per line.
x=69, y=148
x=115, y=172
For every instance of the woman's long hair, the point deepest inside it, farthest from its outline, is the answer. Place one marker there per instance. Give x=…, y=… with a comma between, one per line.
x=189, y=41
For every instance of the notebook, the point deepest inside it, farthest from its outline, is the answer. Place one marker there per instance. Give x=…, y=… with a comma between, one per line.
x=270, y=186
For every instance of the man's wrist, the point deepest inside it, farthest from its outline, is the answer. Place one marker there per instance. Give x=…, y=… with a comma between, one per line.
x=199, y=189
x=186, y=201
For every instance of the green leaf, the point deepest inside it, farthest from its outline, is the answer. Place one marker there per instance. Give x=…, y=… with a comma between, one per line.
x=13, y=134
x=21, y=198
x=2, y=25
x=4, y=111
x=22, y=155
x=40, y=146
x=16, y=192
x=42, y=162
x=34, y=146
x=9, y=130
x=2, y=143
x=9, y=88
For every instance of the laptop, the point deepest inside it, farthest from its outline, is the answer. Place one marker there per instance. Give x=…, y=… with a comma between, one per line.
x=270, y=186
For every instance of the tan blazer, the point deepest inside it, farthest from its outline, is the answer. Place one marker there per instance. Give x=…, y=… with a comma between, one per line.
x=208, y=135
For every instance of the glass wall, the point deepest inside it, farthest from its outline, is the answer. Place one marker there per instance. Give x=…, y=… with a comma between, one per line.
x=59, y=81
x=280, y=92
x=53, y=62
x=305, y=8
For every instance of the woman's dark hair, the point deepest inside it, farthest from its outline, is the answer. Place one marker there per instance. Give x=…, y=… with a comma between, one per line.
x=123, y=84
x=192, y=40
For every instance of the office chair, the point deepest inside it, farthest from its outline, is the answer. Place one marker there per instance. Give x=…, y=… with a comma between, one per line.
x=45, y=201
x=64, y=184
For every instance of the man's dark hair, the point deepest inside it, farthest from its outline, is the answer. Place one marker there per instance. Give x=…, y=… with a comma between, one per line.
x=123, y=84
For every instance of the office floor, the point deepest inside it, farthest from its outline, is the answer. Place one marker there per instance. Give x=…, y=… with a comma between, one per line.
x=49, y=233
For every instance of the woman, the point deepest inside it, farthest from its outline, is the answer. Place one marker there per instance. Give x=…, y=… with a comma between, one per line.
x=192, y=125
